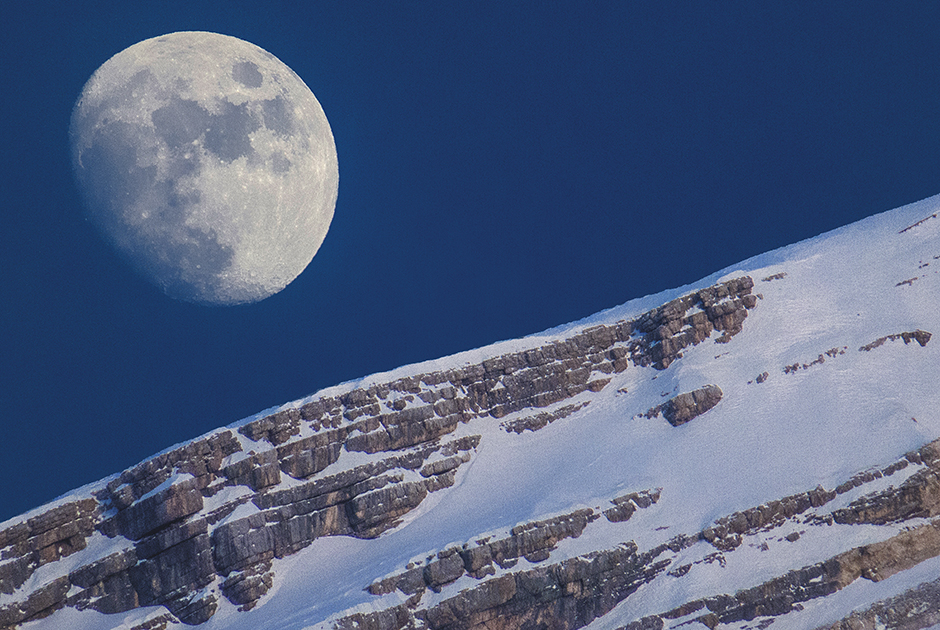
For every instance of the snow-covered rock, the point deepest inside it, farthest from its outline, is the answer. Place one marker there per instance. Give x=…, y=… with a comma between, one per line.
x=760, y=447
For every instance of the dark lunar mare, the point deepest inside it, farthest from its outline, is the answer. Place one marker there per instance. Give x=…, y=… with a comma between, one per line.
x=228, y=134
x=247, y=74
x=148, y=144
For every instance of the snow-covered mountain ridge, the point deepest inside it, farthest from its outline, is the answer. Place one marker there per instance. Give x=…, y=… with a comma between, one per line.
x=755, y=449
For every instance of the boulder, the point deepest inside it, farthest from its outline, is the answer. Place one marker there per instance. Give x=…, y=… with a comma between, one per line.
x=685, y=407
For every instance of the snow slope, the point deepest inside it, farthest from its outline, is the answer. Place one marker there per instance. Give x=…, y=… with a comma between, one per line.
x=815, y=424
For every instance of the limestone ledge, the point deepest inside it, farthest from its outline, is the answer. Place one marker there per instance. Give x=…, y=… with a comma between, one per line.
x=183, y=535
x=573, y=592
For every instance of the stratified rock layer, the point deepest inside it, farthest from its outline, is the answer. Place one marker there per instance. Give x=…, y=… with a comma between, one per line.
x=573, y=592
x=205, y=525
x=172, y=547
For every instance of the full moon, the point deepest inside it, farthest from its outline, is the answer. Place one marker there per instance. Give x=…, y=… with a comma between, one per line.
x=208, y=164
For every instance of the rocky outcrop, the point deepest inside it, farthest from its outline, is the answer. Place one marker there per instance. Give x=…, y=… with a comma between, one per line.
x=569, y=594
x=914, y=609
x=572, y=592
x=920, y=336
x=784, y=594
x=819, y=360
x=532, y=541
x=626, y=505
x=684, y=407
x=206, y=525
x=45, y=538
x=176, y=549
x=543, y=419
x=277, y=483
x=917, y=497
x=921, y=222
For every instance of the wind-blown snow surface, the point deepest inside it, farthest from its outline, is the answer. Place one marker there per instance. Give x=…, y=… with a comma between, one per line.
x=763, y=441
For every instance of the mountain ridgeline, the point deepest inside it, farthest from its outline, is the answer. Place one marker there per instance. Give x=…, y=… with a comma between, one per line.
x=556, y=481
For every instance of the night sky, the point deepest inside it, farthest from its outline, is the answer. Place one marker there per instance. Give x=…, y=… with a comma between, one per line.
x=505, y=167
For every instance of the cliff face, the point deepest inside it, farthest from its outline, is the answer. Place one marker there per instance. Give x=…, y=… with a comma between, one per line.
x=181, y=544
x=738, y=453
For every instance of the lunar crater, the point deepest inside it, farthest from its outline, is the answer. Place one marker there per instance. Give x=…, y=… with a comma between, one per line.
x=208, y=164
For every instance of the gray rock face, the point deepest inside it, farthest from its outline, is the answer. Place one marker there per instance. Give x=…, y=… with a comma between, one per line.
x=920, y=336
x=206, y=524
x=684, y=407
x=175, y=548
x=916, y=608
x=532, y=541
x=573, y=592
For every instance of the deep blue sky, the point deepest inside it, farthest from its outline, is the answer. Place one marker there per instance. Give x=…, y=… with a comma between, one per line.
x=505, y=167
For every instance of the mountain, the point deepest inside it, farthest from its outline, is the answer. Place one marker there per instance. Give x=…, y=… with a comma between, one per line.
x=759, y=448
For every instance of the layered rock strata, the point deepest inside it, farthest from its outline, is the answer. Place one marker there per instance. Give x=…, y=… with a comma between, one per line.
x=211, y=519
x=682, y=408
x=214, y=515
x=571, y=592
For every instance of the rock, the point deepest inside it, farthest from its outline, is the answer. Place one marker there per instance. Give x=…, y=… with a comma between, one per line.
x=915, y=608
x=685, y=407
x=241, y=543
x=455, y=612
x=187, y=567
x=177, y=546
x=372, y=513
x=157, y=623
x=541, y=420
x=98, y=571
x=566, y=595
x=918, y=496
x=626, y=505
x=446, y=569
x=14, y=573
x=158, y=510
x=398, y=617
x=443, y=465
x=169, y=537
x=276, y=428
x=245, y=588
x=920, y=336
x=193, y=609
x=646, y=623
x=881, y=560
x=45, y=538
x=41, y=603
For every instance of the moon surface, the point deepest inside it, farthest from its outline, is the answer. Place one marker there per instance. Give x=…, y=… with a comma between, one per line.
x=208, y=164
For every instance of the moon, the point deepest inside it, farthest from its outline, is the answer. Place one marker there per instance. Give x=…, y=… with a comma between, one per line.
x=208, y=164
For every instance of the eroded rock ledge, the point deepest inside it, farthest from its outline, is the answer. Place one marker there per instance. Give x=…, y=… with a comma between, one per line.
x=572, y=592
x=532, y=541
x=920, y=336
x=682, y=408
x=220, y=510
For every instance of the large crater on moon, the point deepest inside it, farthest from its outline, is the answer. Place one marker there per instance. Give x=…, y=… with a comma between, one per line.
x=208, y=164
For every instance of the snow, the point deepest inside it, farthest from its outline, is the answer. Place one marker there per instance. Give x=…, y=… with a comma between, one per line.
x=98, y=546
x=816, y=426
x=856, y=596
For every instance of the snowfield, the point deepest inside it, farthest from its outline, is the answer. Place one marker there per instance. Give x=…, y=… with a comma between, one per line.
x=822, y=411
